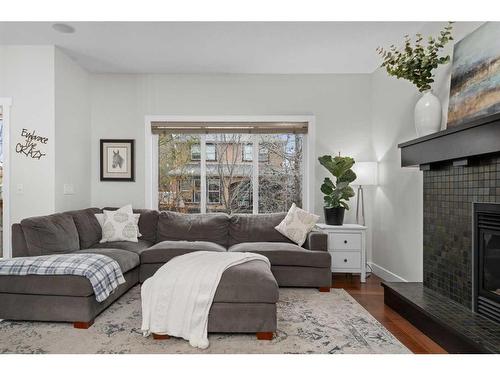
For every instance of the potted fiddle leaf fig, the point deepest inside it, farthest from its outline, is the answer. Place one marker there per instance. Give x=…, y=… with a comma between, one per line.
x=339, y=192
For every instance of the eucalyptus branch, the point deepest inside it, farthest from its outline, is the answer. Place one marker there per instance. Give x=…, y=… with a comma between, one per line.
x=416, y=62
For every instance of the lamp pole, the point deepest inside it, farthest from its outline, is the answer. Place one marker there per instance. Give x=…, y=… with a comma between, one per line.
x=360, y=197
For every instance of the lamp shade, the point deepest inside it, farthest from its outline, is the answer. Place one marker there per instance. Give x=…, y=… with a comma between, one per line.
x=366, y=172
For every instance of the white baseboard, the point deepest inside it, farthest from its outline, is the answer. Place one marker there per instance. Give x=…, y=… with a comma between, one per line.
x=384, y=274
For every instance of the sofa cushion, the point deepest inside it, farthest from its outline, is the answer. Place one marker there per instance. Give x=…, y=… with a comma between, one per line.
x=50, y=234
x=148, y=223
x=255, y=228
x=136, y=247
x=285, y=254
x=87, y=225
x=126, y=259
x=173, y=226
x=51, y=285
x=250, y=282
x=164, y=251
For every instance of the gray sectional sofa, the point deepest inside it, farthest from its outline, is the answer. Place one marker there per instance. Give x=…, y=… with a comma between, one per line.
x=164, y=236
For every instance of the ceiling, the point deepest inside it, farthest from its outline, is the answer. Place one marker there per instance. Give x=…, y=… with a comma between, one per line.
x=217, y=47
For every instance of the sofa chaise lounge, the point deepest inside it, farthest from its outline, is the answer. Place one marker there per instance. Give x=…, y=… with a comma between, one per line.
x=164, y=236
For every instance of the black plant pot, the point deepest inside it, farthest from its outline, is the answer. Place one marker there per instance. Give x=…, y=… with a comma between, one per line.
x=334, y=215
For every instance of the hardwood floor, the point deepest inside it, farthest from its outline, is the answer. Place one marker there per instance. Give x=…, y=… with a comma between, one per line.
x=370, y=295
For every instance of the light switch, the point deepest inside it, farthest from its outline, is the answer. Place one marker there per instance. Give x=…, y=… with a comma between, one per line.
x=20, y=189
x=68, y=189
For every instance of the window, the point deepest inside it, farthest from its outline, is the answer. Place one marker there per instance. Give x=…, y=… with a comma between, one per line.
x=233, y=175
x=213, y=190
x=179, y=185
x=226, y=178
x=247, y=152
x=263, y=153
x=211, y=152
x=195, y=152
x=280, y=173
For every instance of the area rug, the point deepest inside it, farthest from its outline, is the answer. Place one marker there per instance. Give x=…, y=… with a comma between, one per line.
x=308, y=322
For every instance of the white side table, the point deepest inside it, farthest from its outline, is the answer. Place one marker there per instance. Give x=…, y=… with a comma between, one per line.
x=347, y=246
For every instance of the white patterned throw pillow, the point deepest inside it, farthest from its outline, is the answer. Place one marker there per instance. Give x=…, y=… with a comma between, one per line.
x=119, y=226
x=297, y=224
x=127, y=209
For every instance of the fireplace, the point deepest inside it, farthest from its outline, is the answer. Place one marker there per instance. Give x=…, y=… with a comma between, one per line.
x=486, y=260
x=458, y=302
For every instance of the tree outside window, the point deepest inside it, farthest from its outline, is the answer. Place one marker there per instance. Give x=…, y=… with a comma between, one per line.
x=229, y=172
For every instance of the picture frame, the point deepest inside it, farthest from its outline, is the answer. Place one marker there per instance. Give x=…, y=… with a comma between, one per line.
x=117, y=160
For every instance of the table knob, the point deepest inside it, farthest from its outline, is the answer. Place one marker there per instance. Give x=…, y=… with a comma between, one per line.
x=345, y=260
x=345, y=241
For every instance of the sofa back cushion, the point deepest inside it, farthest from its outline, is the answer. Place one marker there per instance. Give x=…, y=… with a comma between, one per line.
x=255, y=228
x=19, y=245
x=89, y=229
x=148, y=223
x=173, y=226
x=50, y=234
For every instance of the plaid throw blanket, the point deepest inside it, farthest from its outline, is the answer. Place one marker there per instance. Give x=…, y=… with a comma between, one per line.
x=104, y=273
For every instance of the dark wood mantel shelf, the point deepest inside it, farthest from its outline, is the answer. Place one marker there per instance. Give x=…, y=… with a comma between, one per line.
x=455, y=144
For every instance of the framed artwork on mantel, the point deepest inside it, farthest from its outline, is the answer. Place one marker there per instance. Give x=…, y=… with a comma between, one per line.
x=117, y=160
x=475, y=76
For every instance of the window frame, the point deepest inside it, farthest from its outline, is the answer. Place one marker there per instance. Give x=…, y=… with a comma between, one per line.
x=243, y=152
x=213, y=191
x=191, y=151
x=151, y=152
x=261, y=160
x=192, y=190
x=215, y=151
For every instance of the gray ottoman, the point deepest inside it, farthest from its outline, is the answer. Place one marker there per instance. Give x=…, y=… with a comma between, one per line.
x=245, y=302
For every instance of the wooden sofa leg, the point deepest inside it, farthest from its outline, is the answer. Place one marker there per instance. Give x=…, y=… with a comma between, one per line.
x=265, y=335
x=160, y=337
x=83, y=325
x=324, y=289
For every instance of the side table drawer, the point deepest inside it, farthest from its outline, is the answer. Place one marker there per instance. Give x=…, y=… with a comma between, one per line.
x=345, y=241
x=346, y=259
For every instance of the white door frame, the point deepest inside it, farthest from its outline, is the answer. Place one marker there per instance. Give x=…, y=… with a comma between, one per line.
x=5, y=103
x=151, y=152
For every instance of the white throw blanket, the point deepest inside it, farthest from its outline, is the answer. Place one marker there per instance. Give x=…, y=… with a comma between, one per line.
x=177, y=299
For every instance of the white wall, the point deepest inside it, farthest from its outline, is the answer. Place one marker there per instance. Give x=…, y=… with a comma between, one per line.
x=50, y=96
x=72, y=132
x=120, y=102
x=27, y=76
x=340, y=103
x=398, y=207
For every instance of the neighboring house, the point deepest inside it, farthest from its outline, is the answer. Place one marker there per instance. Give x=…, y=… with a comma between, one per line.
x=229, y=171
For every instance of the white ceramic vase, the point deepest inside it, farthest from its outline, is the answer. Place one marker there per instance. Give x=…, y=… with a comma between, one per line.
x=427, y=114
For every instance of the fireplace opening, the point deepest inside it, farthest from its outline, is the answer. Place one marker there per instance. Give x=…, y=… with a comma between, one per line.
x=486, y=265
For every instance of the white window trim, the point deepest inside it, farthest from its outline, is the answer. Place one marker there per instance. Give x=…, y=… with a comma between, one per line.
x=151, y=153
x=6, y=103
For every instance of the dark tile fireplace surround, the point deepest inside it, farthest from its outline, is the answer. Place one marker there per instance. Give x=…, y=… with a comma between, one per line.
x=461, y=178
x=449, y=193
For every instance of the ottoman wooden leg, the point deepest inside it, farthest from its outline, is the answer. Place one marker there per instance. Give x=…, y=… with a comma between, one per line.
x=160, y=337
x=265, y=335
x=324, y=289
x=83, y=325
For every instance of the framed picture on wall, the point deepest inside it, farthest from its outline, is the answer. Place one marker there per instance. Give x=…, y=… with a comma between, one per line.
x=117, y=160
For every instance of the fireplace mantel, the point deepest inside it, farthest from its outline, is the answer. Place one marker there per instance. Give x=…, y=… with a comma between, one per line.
x=456, y=144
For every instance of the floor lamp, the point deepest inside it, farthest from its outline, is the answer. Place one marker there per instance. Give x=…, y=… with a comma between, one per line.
x=366, y=174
